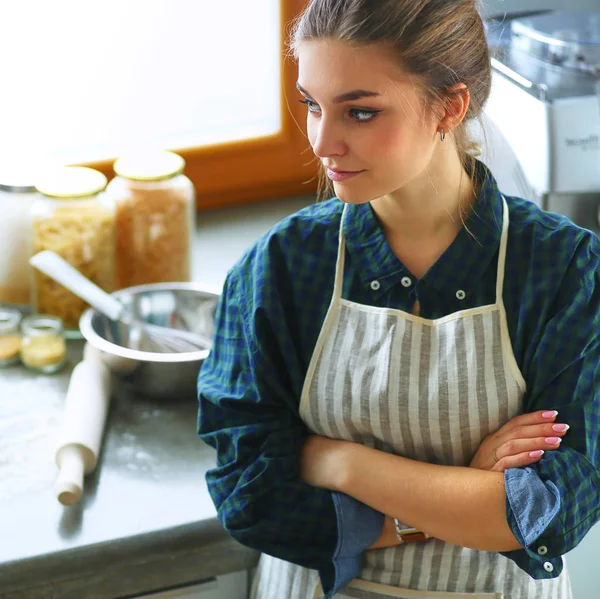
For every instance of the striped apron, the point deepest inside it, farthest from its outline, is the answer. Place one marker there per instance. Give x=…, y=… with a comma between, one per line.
x=429, y=390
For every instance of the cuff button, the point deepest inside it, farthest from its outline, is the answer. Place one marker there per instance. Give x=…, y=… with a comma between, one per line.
x=542, y=550
x=548, y=567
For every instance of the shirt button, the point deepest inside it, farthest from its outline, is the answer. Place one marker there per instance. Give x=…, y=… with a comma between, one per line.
x=460, y=294
x=406, y=281
x=548, y=567
x=542, y=550
x=375, y=285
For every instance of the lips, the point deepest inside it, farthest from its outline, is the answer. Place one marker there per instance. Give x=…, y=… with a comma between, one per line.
x=341, y=170
x=339, y=175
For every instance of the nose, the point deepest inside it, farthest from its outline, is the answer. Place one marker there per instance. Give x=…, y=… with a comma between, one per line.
x=326, y=139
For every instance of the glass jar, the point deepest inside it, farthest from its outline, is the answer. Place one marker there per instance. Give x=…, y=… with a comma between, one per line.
x=73, y=218
x=43, y=347
x=10, y=340
x=17, y=193
x=155, y=208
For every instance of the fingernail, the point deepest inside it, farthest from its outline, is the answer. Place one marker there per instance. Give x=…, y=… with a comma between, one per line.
x=536, y=454
x=560, y=428
x=550, y=414
x=553, y=440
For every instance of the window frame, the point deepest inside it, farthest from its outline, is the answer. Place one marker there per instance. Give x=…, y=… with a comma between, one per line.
x=262, y=168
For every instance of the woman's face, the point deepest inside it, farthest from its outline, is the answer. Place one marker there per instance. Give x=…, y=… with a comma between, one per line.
x=365, y=118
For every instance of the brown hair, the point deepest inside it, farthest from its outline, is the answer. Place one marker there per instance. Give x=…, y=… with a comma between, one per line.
x=441, y=42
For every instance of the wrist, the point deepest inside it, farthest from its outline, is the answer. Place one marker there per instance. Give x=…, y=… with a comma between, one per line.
x=347, y=461
x=388, y=535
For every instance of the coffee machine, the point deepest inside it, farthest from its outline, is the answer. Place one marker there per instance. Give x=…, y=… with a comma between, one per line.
x=541, y=124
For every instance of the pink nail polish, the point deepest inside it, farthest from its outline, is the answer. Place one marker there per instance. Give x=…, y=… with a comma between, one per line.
x=553, y=440
x=536, y=454
x=560, y=428
x=549, y=414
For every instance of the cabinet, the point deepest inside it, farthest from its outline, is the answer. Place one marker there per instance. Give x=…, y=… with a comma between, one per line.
x=228, y=586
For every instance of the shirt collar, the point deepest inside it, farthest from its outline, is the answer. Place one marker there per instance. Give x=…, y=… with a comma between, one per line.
x=462, y=264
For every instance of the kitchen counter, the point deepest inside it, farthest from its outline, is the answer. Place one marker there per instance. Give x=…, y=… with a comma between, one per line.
x=146, y=521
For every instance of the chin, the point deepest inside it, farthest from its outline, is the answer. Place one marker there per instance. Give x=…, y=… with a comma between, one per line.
x=351, y=195
x=359, y=194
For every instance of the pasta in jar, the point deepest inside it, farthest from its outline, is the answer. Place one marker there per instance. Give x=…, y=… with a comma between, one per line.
x=81, y=229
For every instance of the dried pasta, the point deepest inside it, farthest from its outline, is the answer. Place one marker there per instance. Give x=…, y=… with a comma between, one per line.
x=83, y=234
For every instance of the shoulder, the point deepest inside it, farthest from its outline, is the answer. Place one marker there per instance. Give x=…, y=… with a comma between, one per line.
x=313, y=222
x=302, y=232
x=300, y=236
x=551, y=238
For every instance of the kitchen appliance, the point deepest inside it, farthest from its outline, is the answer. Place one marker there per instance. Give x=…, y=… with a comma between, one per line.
x=541, y=135
x=171, y=376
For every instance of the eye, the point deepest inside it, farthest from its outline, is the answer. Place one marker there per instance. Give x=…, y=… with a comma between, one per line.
x=312, y=106
x=357, y=114
x=363, y=116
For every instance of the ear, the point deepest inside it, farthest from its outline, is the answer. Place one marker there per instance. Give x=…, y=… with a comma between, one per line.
x=456, y=107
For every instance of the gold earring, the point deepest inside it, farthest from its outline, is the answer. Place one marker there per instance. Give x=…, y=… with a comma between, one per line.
x=442, y=134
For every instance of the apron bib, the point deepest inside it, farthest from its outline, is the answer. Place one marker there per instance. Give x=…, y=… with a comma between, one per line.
x=429, y=390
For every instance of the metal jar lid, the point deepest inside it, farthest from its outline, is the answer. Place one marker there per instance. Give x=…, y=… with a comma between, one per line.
x=17, y=178
x=71, y=182
x=150, y=166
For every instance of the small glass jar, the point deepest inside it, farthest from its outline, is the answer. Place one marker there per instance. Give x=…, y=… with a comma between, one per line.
x=10, y=340
x=73, y=218
x=43, y=346
x=155, y=209
x=17, y=193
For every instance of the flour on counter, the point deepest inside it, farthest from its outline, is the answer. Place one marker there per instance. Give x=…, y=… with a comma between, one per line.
x=30, y=417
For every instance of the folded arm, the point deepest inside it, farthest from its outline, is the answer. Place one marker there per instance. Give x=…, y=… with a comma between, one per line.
x=463, y=506
x=255, y=486
x=563, y=372
x=532, y=514
x=248, y=411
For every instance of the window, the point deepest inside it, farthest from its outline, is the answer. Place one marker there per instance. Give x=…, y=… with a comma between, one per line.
x=89, y=81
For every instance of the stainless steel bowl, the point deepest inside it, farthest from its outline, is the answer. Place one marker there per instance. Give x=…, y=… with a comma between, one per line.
x=186, y=306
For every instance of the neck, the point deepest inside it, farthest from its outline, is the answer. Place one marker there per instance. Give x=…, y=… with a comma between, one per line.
x=430, y=205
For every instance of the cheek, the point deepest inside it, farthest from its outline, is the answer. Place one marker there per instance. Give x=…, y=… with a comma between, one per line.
x=312, y=131
x=405, y=143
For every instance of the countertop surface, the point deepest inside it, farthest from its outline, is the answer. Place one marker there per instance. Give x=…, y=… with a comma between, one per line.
x=146, y=521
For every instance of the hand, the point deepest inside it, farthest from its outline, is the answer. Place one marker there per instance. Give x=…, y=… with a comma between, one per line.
x=520, y=442
x=322, y=462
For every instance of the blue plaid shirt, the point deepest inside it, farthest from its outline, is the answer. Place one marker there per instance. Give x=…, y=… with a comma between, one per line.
x=272, y=307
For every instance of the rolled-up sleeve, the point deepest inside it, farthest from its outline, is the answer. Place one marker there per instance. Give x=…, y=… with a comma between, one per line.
x=248, y=411
x=553, y=504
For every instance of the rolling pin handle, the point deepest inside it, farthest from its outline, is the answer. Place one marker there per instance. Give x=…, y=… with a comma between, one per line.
x=69, y=484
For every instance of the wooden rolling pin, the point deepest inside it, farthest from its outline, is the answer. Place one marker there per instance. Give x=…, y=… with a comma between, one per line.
x=86, y=407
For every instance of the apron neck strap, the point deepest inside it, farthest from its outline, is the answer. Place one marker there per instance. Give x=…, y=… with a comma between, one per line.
x=339, y=265
x=502, y=252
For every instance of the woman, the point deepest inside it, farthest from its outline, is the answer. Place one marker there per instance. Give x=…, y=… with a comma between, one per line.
x=395, y=358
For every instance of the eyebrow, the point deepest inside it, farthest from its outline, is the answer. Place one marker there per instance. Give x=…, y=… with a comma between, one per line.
x=355, y=94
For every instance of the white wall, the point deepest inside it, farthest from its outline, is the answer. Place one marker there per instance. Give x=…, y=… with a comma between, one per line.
x=494, y=7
